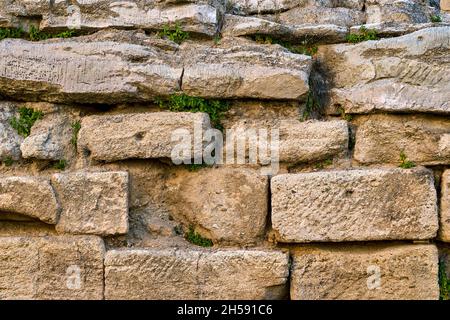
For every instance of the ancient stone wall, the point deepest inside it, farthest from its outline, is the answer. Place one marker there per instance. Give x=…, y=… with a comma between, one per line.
x=332, y=181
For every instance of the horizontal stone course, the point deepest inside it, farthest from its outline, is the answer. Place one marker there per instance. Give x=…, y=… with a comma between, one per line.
x=348, y=272
x=195, y=274
x=354, y=205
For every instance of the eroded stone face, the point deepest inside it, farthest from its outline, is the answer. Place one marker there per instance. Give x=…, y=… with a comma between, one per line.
x=387, y=272
x=226, y=204
x=383, y=138
x=444, y=231
x=354, y=205
x=66, y=267
x=404, y=74
x=92, y=202
x=10, y=140
x=30, y=196
x=400, y=11
x=195, y=274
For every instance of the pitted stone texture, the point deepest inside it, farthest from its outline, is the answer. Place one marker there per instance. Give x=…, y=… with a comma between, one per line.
x=393, y=29
x=30, y=196
x=385, y=272
x=354, y=205
x=195, y=274
x=410, y=73
x=51, y=268
x=411, y=11
x=382, y=138
x=445, y=5
x=139, y=135
x=10, y=140
x=50, y=138
x=226, y=204
x=241, y=69
x=311, y=141
x=444, y=231
x=247, y=26
x=92, y=202
x=91, y=69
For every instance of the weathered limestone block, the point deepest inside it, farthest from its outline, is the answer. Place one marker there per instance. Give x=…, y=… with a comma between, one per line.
x=343, y=17
x=387, y=272
x=9, y=138
x=30, y=196
x=382, y=138
x=445, y=5
x=92, y=202
x=397, y=11
x=247, y=26
x=88, y=69
x=242, y=69
x=311, y=141
x=226, y=204
x=195, y=274
x=393, y=29
x=410, y=73
x=354, y=205
x=138, y=135
x=50, y=138
x=444, y=231
x=51, y=267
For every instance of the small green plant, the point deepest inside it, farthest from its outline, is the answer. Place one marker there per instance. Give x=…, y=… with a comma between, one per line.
x=404, y=162
x=311, y=106
x=324, y=163
x=217, y=39
x=27, y=118
x=174, y=33
x=194, y=238
x=60, y=164
x=444, y=282
x=436, y=18
x=195, y=167
x=76, y=126
x=11, y=33
x=363, y=35
x=182, y=102
x=8, y=161
x=345, y=116
x=37, y=35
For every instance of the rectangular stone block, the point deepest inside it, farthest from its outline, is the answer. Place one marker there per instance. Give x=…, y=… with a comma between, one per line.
x=383, y=138
x=444, y=230
x=92, y=202
x=378, y=272
x=195, y=274
x=354, y=205
x=139, y=135
x=68, y=267
x=445, y=5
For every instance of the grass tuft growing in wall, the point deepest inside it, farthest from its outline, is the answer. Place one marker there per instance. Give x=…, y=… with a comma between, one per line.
x=60, y=164
x=404, y=162
x=184, y=103
x=8, y=161
x=436, y=19
x=363, y=35
x=444, y=282
x=174, y=33
x=27, y=118
x=76, y=126
x=34, y=34
x=194, y=238
x=11, y=33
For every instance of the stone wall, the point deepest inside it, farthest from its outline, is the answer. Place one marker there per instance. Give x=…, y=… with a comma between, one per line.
x=355, y=205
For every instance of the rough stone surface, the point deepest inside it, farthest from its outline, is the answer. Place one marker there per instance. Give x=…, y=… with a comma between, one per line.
x=399, y=11
x=444, y=231
x=46, y=268
x=139, y=135
x=30, y=196
x=9, y=138
x=404, y=74
x=226, y=204
x=354, y=205
x=92, y=202
x=311, y=141
x=393, y=29
x=242, y=69
x=406, y=272
x=445, y=5
x=382, y=138
x=49, y=138
x=195, y=274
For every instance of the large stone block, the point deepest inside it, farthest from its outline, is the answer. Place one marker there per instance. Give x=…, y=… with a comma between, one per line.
x=382, y=138
x=51, y=268
x=226, y=204
x=354, y=205
x=387, y=272
x=92, y=202
x=30, y=196
x=139, y=135
x=195, y=274
x=411, y=11
x=444, y=231
x=410, y=73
